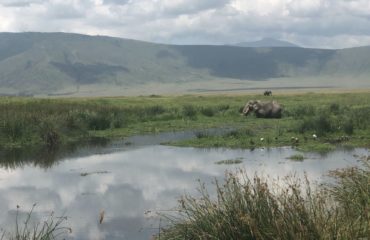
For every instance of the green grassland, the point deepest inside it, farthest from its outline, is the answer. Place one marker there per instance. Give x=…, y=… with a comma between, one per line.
x=336, y=118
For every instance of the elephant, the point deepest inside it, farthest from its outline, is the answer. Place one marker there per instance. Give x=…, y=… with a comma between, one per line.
x=267, y=93
x=270, y=109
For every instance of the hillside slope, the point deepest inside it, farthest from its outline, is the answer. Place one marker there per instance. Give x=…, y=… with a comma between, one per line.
x=266, y=42
x=50, y=62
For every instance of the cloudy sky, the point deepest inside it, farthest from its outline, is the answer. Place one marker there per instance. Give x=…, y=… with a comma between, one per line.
x=309, y=23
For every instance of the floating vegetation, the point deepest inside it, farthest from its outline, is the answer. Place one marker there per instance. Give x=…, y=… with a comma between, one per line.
x=297, y=157
x=89, y=173
x=230, y=161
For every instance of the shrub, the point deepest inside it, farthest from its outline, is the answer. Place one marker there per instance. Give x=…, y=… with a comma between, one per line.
x=348, y=127
x=320, y=124
x=323, y=124
x=207, y=111
x=334, y=108
x=189, y=111
x=99, y=121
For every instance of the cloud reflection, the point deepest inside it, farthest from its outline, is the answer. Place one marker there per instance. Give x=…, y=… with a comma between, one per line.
x=128, y=183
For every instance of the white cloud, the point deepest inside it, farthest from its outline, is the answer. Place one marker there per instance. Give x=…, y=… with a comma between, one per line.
x=311, y=23
x=19, y=3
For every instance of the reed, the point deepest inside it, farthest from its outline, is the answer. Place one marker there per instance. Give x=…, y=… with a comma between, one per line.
x=27, y=229
x=254, y=208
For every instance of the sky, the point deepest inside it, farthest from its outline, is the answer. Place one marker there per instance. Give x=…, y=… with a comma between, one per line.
x=308, y=23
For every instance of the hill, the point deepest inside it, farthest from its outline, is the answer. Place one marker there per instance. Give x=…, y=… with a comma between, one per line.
x=266, y=42
x=41, y=63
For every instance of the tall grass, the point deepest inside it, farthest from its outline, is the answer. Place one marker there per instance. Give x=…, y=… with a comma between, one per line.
x=332, y=119
x=246, y=208
x=53, y=122
x=50, y=122
x=25, y=229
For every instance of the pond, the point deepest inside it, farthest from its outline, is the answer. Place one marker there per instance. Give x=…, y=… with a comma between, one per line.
x=133, y=179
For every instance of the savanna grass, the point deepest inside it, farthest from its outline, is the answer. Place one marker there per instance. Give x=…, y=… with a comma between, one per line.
x=26, y=122
x=51, y=122
x=246, y=208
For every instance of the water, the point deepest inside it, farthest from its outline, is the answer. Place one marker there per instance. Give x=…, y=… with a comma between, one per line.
x=128, y=180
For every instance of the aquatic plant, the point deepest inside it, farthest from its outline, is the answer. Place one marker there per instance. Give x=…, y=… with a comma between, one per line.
x=296, y=157
x=230, y=161
x=26, y=228
x=254, y=208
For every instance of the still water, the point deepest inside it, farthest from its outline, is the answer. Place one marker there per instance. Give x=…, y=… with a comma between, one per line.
x=128, y=179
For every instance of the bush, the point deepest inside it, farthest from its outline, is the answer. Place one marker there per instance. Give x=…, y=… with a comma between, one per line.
x=99, y=121
x=348, y=127
x=207, y=111
x=323, y=124
x=189, y=111
x=320, y=124
x=334, y=108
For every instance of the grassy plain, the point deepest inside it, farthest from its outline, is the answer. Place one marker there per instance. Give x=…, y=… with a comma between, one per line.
x=335, y=118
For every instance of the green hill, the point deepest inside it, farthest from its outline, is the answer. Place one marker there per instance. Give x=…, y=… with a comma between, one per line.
x=55, y=62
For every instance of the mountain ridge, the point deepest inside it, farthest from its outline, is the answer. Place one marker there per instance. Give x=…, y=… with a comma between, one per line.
x=50, y=62
x=266, y=42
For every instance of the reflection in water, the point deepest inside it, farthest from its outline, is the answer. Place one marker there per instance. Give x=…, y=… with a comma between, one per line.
x=136, y=180
x=46, y=157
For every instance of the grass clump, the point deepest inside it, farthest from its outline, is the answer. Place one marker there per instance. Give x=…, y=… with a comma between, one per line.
x=230, y=161
x=246, y=208
x=189, y=111
x=297, y=157
x=26, y=228
x=321, y=124
x=207, y=111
